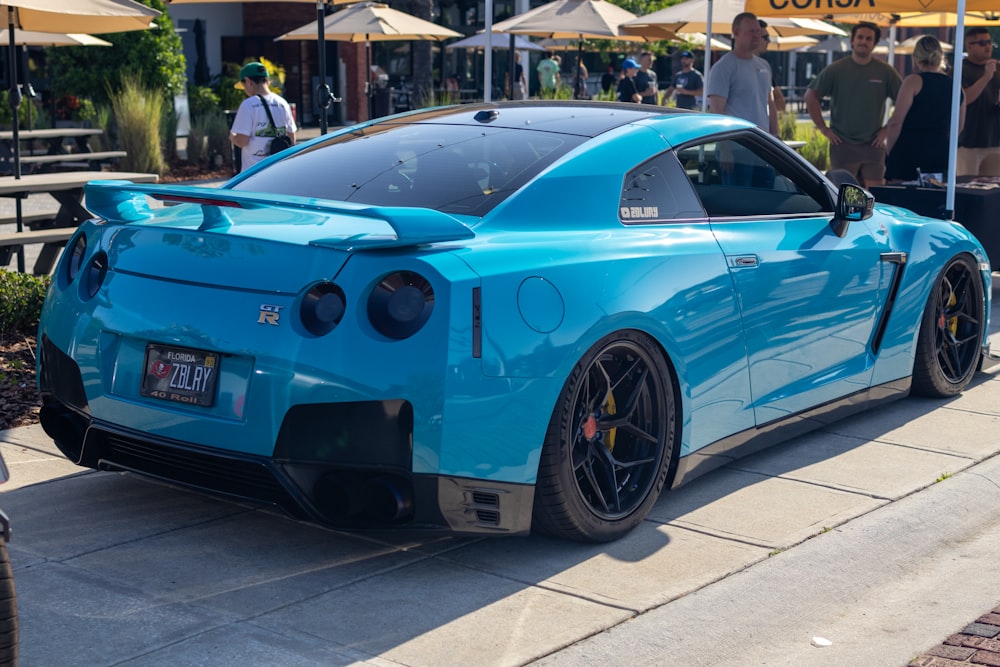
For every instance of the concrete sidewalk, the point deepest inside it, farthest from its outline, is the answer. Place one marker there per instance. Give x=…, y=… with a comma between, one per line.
x=878, y=534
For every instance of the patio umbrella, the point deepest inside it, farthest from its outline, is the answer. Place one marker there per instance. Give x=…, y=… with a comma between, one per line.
x=478, y=41
x=572, y=19
x=698, y=39
x=791, y=43
x=32, y=38
x=371, y=22
x=906, y=46
x=693, y=16
x=323, y=95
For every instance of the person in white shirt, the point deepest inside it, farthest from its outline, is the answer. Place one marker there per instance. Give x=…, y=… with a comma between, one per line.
x=251, y=131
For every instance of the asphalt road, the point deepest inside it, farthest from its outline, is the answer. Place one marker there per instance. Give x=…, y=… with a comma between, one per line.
x=864, y=543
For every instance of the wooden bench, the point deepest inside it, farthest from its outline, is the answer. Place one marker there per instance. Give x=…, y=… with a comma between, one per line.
x=100, y=156
x=31, y=220
x=10, y=242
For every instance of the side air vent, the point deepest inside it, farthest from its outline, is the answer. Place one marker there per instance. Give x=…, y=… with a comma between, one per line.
x=488, y=516
x=485, y=498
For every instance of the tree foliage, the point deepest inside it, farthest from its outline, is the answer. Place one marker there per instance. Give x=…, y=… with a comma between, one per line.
x=155, y=56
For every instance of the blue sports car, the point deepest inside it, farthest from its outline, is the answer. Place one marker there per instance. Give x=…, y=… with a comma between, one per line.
x=495, y=318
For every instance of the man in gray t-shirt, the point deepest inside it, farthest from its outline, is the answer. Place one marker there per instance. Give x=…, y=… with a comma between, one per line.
x=740, y=83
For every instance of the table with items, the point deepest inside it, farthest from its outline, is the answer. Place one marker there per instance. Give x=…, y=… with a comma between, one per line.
x=977, y=207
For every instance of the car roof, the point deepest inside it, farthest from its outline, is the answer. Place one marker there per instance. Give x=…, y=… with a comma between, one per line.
x=584, y=118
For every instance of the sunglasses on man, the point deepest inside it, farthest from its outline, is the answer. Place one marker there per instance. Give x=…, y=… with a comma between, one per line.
x=982, y=42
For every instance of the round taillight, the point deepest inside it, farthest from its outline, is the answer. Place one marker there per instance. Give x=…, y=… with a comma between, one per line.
x=322, y=308
x=400, y=304
x=95, y=273
x=75, y=256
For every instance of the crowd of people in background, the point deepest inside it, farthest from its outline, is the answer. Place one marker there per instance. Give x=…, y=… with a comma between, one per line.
x=848, y=102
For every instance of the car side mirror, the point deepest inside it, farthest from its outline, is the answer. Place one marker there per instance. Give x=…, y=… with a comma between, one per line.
x=853, y=203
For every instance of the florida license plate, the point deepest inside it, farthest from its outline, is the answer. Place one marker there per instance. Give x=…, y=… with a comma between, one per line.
x=180, y=374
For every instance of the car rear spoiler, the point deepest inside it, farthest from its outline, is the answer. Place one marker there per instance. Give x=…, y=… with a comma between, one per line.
x=125, y=202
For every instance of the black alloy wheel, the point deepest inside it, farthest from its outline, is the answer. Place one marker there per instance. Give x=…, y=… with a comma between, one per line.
x=610, y=442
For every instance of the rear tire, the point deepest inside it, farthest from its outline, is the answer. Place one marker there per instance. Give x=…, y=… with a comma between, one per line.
x=8, y=610
x=610, y=442
x=949, y=345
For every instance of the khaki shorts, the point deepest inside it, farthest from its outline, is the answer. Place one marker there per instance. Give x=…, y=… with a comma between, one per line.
x=978, y=161
x=864, y=161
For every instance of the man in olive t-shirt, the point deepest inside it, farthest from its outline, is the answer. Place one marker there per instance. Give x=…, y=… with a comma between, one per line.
x=858, y=87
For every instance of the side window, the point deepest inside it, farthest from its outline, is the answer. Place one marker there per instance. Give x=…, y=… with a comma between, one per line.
x=658, y=190
x=737, y=177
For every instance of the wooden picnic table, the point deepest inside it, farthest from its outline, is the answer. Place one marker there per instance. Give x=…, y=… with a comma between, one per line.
x=67, y=189
x=82, y=157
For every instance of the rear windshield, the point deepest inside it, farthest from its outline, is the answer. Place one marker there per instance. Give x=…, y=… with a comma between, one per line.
x=452, y=168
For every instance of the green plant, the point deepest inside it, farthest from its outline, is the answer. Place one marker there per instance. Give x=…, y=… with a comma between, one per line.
x=429, y=97
x=562, y=92
x=610, y=96
x=817, y=147
x=217, y=140
x=196, y=141
x=788, y=125
x=138, y=113
x=944, y=476
x=230, y=97
x=168, y=132
x=103, y=119
x=202, y=100
x=155, y=56
x=6, y=113
x=21, y=297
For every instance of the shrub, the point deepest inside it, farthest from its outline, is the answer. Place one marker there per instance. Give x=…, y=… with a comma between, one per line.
x=196, y=141
x=168, y=130
x=220, y=151
x=202, y=101
x=139, y=113
x=104, y=120
x=788, y=125
x=817, y=148
x=562, y=92
x=21, y=297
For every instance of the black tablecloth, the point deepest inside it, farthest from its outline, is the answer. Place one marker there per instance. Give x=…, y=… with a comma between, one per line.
x=977, y=209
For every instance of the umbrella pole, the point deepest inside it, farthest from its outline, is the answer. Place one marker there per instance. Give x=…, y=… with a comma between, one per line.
x=511, y=66
x=14, y=98
x=579, y=68
x=28, y=91
x=323, y=95
x=368, y=75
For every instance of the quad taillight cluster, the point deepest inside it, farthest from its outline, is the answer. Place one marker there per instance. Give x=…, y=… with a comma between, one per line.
x=398, y=306
x=94, y=269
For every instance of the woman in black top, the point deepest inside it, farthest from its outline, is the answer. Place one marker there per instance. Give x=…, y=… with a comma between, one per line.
x=918, y=131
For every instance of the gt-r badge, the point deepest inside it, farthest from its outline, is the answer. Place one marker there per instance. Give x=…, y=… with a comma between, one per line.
x=269, y=314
